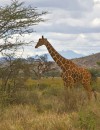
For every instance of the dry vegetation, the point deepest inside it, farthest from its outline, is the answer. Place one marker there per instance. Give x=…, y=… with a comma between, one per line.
x=88, y=61
x=46, y=107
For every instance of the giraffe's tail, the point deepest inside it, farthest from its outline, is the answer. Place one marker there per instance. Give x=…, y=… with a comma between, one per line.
x=93, y=79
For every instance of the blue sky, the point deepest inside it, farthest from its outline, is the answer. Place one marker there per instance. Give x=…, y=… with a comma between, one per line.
x=72, y=25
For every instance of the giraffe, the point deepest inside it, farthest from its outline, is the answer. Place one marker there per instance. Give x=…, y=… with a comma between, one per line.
x=71, y=73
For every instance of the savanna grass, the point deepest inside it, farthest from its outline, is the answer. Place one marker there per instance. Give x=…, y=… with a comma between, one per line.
x=49, y=106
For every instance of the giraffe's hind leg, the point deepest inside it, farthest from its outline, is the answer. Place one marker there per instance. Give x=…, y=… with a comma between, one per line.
x=88, y=89
x=87, y=85
x=95, y=94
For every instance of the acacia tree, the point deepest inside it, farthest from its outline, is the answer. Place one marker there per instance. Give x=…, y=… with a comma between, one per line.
x=38, y=65
x=15, y=20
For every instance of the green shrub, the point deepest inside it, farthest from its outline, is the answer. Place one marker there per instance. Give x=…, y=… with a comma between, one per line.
x=95, y=73
x=87, y=121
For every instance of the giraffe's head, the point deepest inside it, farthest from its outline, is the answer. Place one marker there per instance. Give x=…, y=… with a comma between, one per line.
x=41, y=41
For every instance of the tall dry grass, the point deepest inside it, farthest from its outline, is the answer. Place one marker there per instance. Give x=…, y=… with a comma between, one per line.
x=50, y=107
x=27, y=118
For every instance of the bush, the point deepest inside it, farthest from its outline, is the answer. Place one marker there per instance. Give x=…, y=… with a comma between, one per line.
x=87, y=121
x=95, y=73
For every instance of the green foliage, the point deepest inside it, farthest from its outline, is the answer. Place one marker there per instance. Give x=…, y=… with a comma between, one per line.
x=13, y=77
x=16, y=18
x=98, y=63
x=87, y=120
x=47, y=93
x=95, y=73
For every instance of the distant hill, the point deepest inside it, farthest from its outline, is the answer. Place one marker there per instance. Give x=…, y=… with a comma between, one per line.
x=84, y=61
x=67, y=54
x=88, y=61
x=79, y=59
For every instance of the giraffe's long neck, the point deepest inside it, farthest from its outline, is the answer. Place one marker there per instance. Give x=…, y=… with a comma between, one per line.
x=56, y=56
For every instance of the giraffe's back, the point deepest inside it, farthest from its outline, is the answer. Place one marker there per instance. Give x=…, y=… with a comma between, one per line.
x=77, y=73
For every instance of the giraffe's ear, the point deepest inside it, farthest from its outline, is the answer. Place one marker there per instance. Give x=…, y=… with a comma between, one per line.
x=42, y=37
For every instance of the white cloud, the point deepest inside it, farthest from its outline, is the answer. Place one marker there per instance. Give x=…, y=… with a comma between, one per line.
x=96, y=1
x=81, y=43
x=72, y=25
x=96, y=22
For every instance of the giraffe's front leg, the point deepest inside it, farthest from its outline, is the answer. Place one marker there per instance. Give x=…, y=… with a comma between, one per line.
x=68, y=80
x=62, y=76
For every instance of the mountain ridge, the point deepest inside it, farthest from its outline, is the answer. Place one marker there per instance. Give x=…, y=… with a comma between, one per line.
x=89, y=61
x=69, y=54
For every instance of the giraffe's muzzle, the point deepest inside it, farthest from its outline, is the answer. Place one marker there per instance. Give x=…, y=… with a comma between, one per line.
x=36, y=46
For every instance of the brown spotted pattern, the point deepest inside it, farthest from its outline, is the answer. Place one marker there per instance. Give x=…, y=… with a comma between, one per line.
x=71, y=73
